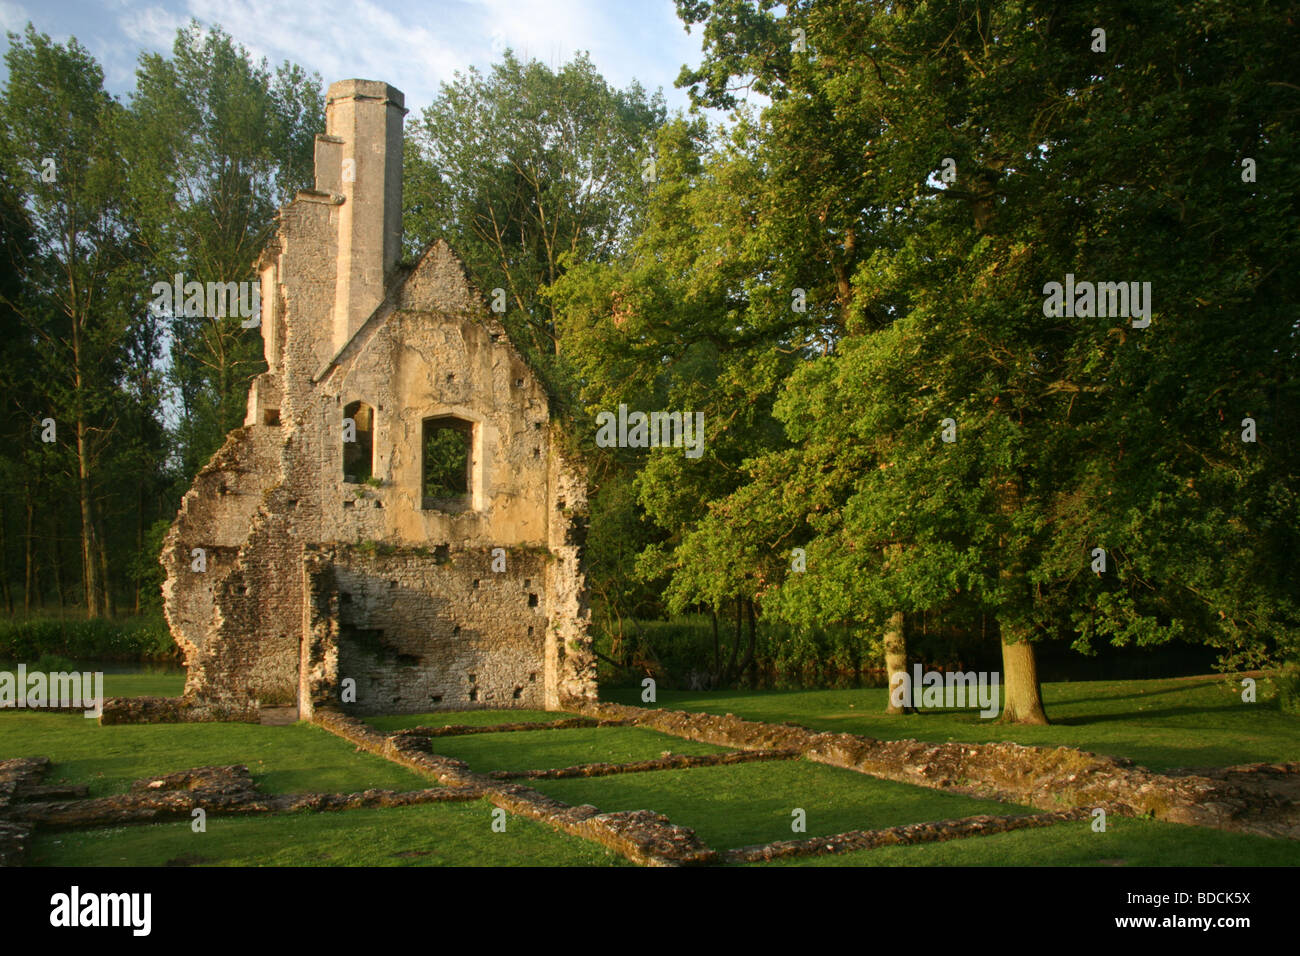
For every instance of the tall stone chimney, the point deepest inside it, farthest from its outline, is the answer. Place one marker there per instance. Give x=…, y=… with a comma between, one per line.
x=360, y=158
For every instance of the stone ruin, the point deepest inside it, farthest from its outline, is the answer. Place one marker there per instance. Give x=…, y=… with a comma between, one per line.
x=394, y=528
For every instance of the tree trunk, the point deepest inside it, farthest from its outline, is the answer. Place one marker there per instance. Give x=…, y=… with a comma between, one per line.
x=89, y=545
x=29, y=548
x=749, y=664
x=896, y=660
x=4, y=562
x=1024, y=696
x=90, y=583
x=56, y=559
x=139, y=544
x=735, y=645
x=109, y=607
x=717, y=652
x=56, y=552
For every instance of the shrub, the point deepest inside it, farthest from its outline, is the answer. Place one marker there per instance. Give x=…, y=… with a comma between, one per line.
x=144, y=638
x=1287, y=682
x=53, y=663
x=679, y=653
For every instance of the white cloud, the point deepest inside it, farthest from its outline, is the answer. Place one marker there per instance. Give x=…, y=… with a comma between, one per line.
x=346, y=38
x=12, y=16
x=413, y=44
x=153, y=27
x=420, y=45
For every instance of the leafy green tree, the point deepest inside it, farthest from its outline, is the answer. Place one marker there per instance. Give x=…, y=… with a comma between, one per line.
x=217, y=143
x=742, y=271
x=525, y=172
x=1073, y=432
x=691, y=320
x=19, y=385
x=59, y=136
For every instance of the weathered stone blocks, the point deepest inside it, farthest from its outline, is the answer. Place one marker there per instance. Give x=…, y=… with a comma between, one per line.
x=324, y=588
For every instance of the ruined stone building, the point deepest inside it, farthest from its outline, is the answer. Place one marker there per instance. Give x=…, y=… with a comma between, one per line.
x=394, y=518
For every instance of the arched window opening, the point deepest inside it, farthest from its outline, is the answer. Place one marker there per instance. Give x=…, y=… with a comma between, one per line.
x=358, y=443
x=447, y=445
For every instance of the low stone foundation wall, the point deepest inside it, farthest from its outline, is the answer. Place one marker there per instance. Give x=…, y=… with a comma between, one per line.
x=173, y=710
x=671, y=762
x=1049, y=778
x=938, y=832
x=220, y=791
x=641, y=836
x=459, y=730
x=17, y=778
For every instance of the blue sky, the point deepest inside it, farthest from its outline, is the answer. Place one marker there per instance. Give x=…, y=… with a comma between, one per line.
x=411, y=44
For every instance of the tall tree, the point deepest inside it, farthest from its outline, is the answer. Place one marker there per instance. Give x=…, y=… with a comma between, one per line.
x=19, y=384
x=526, y=171
x=1073, y=157
x=698, y=318
x=217, y=143
x=60, y=137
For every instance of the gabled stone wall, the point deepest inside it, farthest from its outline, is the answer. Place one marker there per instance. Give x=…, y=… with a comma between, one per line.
x=313, y=580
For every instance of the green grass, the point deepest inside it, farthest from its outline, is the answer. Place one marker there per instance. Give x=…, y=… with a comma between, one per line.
x=153, y=683
x=1126, y=842
x=469, y=718
x=457, y=834
x=544, y=749
x=157, y=684
x=1161, y=724
x=742, y=804
x=289, y=759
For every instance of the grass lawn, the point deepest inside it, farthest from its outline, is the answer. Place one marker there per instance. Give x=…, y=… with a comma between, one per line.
x=1197, y=722
x=1165, y=723
x=1126, y=842
x=544, y=749
x=740, y=804
x=458, y=834
x=289, y=759
x=469, y=718
x=118, y=682
x=156, y=684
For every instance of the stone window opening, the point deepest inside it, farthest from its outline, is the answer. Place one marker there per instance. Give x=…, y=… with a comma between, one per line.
x=447, y=464
x=358, y=443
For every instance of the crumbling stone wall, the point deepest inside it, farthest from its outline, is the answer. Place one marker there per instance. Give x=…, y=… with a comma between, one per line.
x=416, y=631
x=312, y=579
